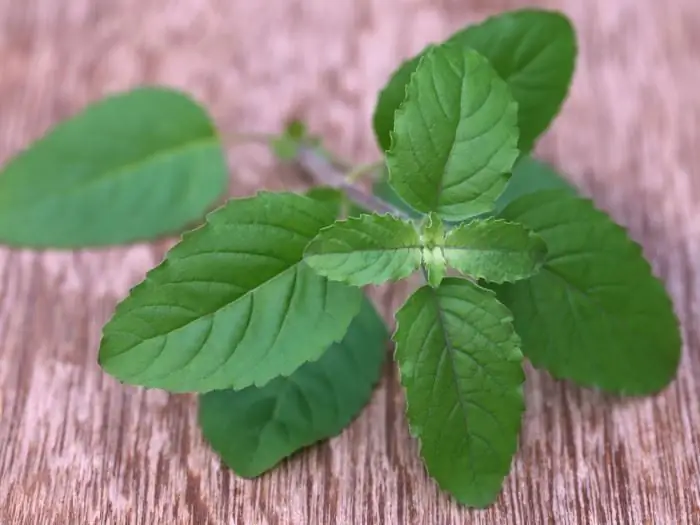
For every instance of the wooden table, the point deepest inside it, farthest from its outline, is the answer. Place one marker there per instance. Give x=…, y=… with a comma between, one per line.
x=78, y=448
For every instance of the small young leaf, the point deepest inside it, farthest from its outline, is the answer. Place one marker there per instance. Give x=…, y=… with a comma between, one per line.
x=494, y=250
x=255, y=428
x=455, y=136
x=529, y=176
x=433, y=239
x=286, y=146
x=231, y=302
x=460, y=364
x=296, y=129
x=371, y=249
x=133, y=166
x=594, y=313
x=533, y=50
x=435, y=265
x=433, y=231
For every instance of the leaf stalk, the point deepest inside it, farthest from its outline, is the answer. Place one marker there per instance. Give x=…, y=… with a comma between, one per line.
x=323, y=172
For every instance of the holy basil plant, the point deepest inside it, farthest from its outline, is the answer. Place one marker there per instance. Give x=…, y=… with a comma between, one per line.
x=259, y=307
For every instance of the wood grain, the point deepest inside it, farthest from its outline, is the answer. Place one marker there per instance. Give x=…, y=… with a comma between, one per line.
x=78, y=448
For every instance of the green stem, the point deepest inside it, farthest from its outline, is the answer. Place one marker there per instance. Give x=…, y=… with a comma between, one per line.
x=328, y=170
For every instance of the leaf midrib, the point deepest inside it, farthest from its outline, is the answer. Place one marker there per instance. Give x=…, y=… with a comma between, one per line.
x=212, y=313
x=463, y=404
x=490, y=250
x=458, y=113
x=366, y=250
x=111, y=175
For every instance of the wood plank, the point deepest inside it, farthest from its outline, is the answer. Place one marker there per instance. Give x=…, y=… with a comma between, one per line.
x=77, y=447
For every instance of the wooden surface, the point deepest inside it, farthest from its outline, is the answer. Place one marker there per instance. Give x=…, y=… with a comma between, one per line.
x=78, y=448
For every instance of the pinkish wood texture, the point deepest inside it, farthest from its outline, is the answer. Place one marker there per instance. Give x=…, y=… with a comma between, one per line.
x=78, y=448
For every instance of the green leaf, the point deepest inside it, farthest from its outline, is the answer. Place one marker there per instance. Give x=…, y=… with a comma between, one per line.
x=533, y=50
x=382, y=189
x=337, y=200
x=130, y=167
x=435, y=265
x=331, y=197
x=371, y=249
x=455, y=136
x=231, y=302
x=494, y=250
x=433, y=231
x=530, y=176
x=595, y=313
x=255, y=428
x=460, y=364
x=433, y=238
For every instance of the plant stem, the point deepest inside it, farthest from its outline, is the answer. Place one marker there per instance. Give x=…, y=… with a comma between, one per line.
x=267, y=139
x=360, y=171
x=321, y=171
x=330, y=172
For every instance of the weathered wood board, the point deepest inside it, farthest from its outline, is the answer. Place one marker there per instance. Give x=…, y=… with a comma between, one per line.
x=78, y=448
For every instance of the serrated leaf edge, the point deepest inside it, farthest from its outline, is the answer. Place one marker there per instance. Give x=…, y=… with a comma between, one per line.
x=361, y=218
x=497, y=220
x=637, y=250
x=374, y=381
x=415, y=431
x=119, y=309
x=402, y=109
